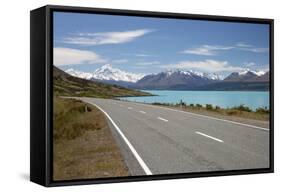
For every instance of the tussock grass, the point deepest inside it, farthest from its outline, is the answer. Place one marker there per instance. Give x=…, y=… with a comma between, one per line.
x=83, y=144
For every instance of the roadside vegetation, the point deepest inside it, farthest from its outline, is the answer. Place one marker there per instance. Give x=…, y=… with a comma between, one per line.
x=83, y=143
x=241, y=111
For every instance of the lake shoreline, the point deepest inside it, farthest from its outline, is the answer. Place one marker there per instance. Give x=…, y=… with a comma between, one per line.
x=223, y=99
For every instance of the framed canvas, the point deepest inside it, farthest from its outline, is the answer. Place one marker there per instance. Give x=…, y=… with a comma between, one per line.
x=125, y=95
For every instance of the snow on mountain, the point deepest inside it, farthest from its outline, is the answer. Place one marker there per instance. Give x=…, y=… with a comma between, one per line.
x=211, y=76
x=258, y=73
x=107, y=72
x=176, y=80
x=80, y=74
x=247, y=75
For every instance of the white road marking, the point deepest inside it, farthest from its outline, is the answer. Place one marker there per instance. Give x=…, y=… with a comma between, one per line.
x=143, y=112
x=162, y=119
x=205, y=116
x=130, y=108
x=216, y=139
x=135, y=153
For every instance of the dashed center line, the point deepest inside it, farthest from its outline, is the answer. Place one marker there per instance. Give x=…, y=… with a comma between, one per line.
x=162, y=119
x=205, y=135
x=143, y=112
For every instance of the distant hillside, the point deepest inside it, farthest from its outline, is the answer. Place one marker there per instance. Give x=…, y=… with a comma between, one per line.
x=67, y=85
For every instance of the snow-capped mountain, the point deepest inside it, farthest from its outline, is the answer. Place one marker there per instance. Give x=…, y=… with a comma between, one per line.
x=212, y=76
x=247, y=75
x=107, y=73
x=176, y=79
x=80, y=74
x=258, y=73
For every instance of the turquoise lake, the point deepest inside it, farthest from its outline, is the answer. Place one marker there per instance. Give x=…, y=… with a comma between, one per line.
x=224, y=99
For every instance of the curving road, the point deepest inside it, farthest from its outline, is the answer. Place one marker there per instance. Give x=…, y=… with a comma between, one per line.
x=158, y=140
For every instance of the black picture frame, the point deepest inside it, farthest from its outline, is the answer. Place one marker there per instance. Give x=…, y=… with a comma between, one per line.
x=41, y=104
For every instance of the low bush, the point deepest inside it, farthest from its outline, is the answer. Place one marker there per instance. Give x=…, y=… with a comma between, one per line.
x=262, y=110
x=242, y=108
x=209, y=107
x=198, y=105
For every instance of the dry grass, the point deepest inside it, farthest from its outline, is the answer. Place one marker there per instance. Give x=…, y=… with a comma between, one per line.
x=83, y=144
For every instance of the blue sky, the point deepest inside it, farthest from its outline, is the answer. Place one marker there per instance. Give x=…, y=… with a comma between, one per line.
x=150, y=45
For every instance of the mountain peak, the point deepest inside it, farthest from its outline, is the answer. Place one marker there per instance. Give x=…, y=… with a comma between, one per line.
x=106, y=66
x=106, y=72
x=211, y=76
x=248, y=71
x=247, y=75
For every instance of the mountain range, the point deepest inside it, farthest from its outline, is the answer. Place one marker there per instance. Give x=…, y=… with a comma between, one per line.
x=178, y=79
x=68, y=85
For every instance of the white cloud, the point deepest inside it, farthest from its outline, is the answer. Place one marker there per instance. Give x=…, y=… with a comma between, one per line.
x=142, y=55
x=249, y=64
x=120, y=61
x=206, y=50
x=206, y=65
x=255, y=66
x=241, y=44
x=210, y=50
x=199, y=51
x=68, y=56
x=147, y=63
x=255, y=49
x=106, y=37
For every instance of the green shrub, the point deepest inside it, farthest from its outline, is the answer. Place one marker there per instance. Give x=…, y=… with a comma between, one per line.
x=209, y=107
x=217, y=108
x=242, y=108
x=191, y=105
x=262, y=110
x=198, y=105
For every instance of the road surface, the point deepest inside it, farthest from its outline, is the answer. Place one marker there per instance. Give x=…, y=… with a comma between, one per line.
x=158, y=140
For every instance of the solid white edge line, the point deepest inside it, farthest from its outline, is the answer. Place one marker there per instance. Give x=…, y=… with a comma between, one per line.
x=203, y=134
x=162, y=119
x=143, y=112
x=130, y=108
x=214, y=118
x=135, y=153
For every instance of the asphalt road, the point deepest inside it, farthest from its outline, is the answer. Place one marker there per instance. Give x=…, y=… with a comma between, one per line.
x=157, y=140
